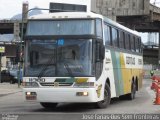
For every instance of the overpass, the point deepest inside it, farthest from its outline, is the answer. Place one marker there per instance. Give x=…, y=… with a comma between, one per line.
x=138, y=15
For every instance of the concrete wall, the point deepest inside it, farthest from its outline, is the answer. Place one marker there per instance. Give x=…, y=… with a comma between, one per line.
x=112, y=8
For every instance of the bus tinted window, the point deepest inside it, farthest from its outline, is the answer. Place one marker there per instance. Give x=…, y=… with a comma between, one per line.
x=107, y=35
x=99, y=28
x=121, y=39
x=61, y=27
x=132, y=43
x=127, y=41
x=139, y=42
x=136, y=44
x=114, y=37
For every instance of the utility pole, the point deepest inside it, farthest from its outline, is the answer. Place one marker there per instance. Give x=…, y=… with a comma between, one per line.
x=2, y=50
x=24, y=19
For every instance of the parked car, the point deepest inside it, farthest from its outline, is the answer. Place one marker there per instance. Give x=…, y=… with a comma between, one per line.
x=7, y=77
x=14, y=72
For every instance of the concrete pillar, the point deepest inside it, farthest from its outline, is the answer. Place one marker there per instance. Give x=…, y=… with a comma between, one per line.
x=24, y=10
x=16, y=31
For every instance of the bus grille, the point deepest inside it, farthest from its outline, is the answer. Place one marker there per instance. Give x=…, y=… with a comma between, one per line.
x=55, y=84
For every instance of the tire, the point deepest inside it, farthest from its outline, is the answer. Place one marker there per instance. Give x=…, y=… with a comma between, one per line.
x=107, y=98
x=48, y=105
x=131, y=96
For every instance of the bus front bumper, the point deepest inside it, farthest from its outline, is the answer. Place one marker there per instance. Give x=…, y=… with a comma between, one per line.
x=56, y=95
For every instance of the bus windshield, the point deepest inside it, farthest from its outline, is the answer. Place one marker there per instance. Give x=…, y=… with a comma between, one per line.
x=58, y=58
x=60, y=27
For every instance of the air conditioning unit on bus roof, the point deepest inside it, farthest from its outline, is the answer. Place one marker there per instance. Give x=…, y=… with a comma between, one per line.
x=61, y=7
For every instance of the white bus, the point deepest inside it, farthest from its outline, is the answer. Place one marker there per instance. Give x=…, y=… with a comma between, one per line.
x=80, y=57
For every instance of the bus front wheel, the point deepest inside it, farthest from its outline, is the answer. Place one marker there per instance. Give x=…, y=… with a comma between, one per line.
x=107, y=98
x=49, y=105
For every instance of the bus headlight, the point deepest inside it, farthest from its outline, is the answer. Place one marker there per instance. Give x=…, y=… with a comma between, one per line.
x=31, y=84
x=82, y=94
x=84, y=84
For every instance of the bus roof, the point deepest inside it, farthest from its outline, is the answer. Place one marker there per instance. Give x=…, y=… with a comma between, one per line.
x=65, y=15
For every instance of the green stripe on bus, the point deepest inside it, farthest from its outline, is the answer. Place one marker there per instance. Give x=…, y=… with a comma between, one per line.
x=117, y=73
x=120, y=73
x=65, y=80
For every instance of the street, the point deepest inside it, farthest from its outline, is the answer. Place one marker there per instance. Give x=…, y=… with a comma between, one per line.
x=14, y=104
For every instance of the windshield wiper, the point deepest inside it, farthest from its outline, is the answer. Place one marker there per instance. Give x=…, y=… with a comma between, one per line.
x=68, y=69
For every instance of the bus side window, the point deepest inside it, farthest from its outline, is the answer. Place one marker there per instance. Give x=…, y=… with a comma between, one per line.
x=114, y=37
x=99, y=28
x=107, y=35
x=121, y=39
x=127, y=41
x=137, y=44
x=124, y=40
x=132, y=43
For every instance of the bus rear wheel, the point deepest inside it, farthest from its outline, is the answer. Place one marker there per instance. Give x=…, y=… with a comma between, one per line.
x=107, y=98
x=131, y=95
x=48, y=105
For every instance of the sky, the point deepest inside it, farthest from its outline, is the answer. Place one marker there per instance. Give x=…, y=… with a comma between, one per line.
x=9, y=8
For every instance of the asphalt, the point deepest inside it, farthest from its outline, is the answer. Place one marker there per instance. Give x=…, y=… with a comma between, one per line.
x=7, y=89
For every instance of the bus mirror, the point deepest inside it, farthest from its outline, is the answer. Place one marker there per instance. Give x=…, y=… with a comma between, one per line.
x=102, y=52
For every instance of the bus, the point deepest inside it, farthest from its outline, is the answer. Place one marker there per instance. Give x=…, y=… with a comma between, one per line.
x=80, y=57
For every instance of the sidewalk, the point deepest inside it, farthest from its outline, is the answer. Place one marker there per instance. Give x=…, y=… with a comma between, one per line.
x=7, y=88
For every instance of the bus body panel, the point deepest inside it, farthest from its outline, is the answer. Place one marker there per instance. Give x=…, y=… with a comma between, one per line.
x=62, y=94
x=109, y=72
x=121, y=71
x=47, y=92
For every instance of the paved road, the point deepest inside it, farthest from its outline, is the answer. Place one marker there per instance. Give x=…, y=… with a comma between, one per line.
x=14, y=104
